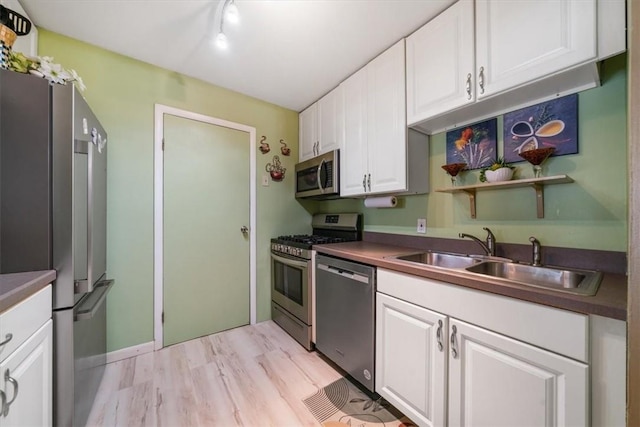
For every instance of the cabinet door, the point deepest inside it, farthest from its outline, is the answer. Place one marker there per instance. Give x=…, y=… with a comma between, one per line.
x=308, y=122
x=410, y=363
x=28, y=371
x=329, y=127
x=498, y=381
x=440, y=64
x=353, y=156
x=387, y=121
x=521, y=41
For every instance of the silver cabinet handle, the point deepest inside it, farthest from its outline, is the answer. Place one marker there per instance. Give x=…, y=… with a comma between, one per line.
x=364, y=182
x=3, y=401
x=481, y=79
x=244, y=229
x=469, y=86
x=454, y=342
x=369, y=181
x=7, y=339
x=14, y=382
x=439, y=336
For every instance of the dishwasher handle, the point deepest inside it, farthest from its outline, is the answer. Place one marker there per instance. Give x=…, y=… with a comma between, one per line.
x=344, y=273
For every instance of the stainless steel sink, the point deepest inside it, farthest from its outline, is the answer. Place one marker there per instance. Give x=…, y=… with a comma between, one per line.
x=580, y=282
x=439, y=259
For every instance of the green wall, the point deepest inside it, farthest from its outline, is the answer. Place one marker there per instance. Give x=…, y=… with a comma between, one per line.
x=122, y=92
x=590, y=213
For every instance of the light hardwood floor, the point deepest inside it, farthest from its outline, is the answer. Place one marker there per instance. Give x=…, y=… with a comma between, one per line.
x=250, y=376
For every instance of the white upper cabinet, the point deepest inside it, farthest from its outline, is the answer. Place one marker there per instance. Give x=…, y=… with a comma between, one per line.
x=321, y=126
x=378, y=154
x=440, y=64
x=482, y=58
x=521, y=41
x=387, y=123
x=353, y=157
x=330, y=126
x=308, y=128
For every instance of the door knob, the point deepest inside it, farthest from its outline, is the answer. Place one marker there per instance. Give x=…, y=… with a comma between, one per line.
x=244, y=229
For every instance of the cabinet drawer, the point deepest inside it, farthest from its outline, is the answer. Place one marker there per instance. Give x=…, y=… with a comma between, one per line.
x=23, y=319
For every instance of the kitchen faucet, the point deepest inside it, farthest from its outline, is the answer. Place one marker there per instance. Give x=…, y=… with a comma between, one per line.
x=489, y=247
x=536, y=257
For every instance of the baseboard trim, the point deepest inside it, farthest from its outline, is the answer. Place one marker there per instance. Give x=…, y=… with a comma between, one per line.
x=125, y=353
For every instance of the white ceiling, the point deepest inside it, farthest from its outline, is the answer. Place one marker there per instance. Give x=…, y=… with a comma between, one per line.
x=287, y=52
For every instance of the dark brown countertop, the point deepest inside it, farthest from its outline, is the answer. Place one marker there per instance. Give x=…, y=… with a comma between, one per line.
x=16, y=287
x=609, y=301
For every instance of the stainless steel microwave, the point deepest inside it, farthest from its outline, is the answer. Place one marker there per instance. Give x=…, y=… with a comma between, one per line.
x=318, y=177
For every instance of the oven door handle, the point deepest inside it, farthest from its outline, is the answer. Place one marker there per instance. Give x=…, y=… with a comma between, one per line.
x=289, y=261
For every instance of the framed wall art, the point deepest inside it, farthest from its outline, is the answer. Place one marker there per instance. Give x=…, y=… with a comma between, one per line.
x=549, y=124
x=474, y=144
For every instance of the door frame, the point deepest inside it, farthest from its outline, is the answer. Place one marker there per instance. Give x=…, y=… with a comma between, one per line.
x=158, y=212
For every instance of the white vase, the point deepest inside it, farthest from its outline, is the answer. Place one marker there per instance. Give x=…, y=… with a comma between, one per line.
x=502, y=174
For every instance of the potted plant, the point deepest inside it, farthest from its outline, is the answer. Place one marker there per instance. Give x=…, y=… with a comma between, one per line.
x=498, y=171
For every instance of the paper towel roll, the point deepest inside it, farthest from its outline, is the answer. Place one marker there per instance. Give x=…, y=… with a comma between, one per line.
x=381, y=202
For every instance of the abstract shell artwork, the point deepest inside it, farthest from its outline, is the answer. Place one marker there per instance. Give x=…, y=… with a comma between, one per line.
x=474, y=144
x=549, y=124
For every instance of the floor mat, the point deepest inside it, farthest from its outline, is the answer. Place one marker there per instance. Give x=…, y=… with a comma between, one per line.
x=343, y=404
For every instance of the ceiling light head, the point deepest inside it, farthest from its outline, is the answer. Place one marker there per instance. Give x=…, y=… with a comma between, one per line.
x=221, y=40
x=231, y=13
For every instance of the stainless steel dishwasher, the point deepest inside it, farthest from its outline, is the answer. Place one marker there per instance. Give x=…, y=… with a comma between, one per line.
x=345, y=316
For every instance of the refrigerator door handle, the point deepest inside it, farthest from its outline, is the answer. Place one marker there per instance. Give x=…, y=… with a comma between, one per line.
x=93, y=301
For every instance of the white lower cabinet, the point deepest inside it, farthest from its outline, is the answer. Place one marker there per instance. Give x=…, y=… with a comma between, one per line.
x=27, y=383
x=442, y=371
x=498, y=381
x=26, y=362
x=411, y=359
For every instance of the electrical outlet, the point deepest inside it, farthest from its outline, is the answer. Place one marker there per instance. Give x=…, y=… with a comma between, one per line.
x=265, y=180
x=422, y=225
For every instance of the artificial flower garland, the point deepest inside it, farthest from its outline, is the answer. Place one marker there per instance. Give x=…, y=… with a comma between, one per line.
x=43, y=66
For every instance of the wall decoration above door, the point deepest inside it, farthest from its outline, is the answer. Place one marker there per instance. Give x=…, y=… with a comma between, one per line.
x=284, y=149
x=551, y=124
x=264, y=147
x=474, y=144
x=275, y=169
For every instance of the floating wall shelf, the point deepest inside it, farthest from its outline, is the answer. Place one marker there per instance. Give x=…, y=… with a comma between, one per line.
x=536, y=183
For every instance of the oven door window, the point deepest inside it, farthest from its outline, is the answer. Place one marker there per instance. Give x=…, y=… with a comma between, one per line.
x=289, y=281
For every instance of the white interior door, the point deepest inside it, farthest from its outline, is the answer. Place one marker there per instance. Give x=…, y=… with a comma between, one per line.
x=205, y=273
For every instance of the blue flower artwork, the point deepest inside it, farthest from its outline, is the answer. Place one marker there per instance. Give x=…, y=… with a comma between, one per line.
x=474, y=144
x=549, y=124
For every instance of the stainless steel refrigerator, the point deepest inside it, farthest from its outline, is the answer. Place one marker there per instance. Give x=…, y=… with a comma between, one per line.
x=53, y=200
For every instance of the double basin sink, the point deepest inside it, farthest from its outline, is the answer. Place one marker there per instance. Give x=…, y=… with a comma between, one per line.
x=573, y=281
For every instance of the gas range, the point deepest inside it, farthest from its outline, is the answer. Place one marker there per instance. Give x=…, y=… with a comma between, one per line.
x=292, y=276
x=327, y=228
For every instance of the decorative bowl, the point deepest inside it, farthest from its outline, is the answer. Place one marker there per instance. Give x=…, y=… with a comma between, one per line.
x=454, y=169
x=538, y=155
x=502, y=174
